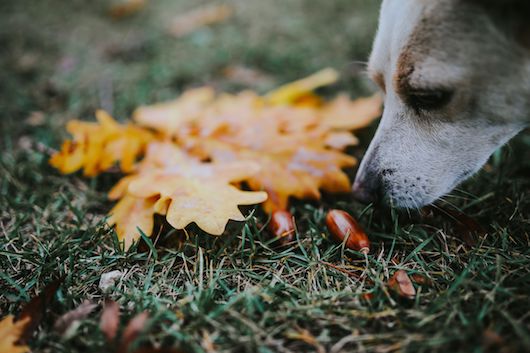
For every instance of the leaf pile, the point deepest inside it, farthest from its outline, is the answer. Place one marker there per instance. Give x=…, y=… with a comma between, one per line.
x=189, y=158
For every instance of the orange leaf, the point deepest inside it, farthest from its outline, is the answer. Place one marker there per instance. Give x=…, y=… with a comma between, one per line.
x=10, y=333
x=296, y=173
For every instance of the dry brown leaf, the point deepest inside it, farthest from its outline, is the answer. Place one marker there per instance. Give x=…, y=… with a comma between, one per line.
x=125, y=8
x=132, y=330
x=65, y=321
x=34, y=310
x=11, y=333
x=110, y=320
x=402, y=285
x=191, y=21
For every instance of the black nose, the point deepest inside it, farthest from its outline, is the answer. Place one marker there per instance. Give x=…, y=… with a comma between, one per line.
x=368, y=186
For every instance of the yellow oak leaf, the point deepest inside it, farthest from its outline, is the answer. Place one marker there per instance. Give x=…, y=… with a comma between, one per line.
x=130, y=214
x=207, y=202
x=169, y=117
x=342, y=113
x=10, y=333
x=96, y=147
x=183, y=189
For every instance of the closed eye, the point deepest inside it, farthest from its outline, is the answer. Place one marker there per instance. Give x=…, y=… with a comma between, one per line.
x=428, y=100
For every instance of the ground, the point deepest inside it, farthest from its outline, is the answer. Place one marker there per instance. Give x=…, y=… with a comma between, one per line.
x=237, y=293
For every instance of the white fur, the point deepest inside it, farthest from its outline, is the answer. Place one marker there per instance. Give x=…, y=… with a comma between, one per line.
x=422, y=156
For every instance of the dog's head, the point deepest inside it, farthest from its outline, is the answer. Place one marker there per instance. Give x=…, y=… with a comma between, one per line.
x=456, y=79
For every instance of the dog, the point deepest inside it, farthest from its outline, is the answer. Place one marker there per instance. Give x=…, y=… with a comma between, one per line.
x=455, y=75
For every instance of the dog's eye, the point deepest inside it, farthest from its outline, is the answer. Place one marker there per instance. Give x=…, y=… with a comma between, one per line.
x=429, y=99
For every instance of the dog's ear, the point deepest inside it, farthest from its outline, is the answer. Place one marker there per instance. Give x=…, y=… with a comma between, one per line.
x=511, y=16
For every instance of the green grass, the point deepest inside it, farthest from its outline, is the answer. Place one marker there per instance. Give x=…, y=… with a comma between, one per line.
x=238, y=293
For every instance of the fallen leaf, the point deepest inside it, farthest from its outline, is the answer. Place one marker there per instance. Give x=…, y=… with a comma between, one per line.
x=11, y=333
x=421, y=280
x=130, y=216
x=132, y=330
x=170, y=117
x=110, y=320
x=291, y=92
x=401, y=284
x=125, y=8
x=465, y=227
x=342, y=113
x=34, y=310
x=193, y=20
x=299, y=173
x=185, y=198
x=65, y=321
x=183, y=189
x=186, y=147
x=96, y=147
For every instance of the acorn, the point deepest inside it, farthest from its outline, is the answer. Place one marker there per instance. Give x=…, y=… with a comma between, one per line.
x=282, y=226
x=343, y=226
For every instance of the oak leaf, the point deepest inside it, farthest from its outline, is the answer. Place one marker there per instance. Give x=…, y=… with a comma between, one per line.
x=300, y=172
x=185, y=191
x=10, y=333
x=96, y=147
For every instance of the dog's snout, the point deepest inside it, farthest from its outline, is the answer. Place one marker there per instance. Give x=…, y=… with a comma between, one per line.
x=367, y=187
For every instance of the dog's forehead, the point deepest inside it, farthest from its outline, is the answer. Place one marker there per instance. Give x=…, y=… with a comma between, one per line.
x=405, y=30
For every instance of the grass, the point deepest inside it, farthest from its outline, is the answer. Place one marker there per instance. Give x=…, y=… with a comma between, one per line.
x=238, y=293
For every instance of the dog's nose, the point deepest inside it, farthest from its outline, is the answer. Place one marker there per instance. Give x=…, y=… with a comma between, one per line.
x=367, y=187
